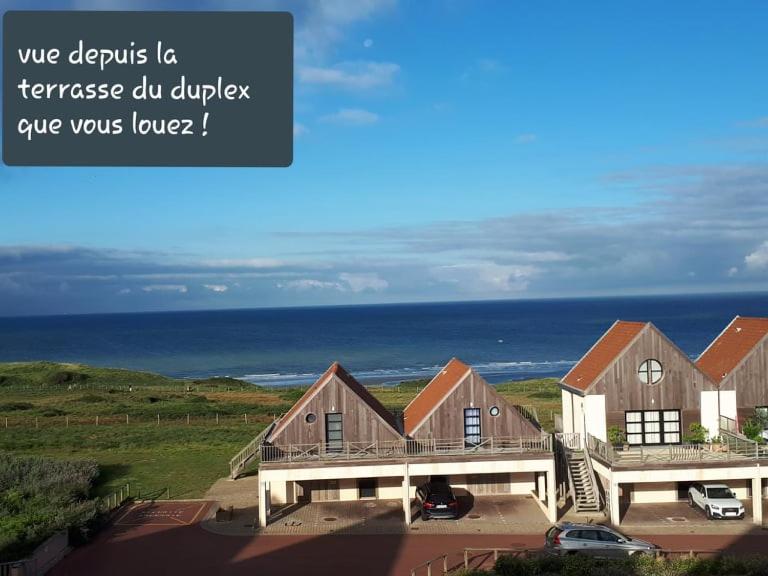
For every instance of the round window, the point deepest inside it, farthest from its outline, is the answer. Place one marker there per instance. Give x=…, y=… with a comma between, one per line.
x=494, y=411
x=310, y=418
x=650, y=372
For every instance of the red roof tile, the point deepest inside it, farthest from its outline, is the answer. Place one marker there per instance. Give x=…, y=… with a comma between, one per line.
x=600, y=356
x=352, y=383
x=732, y=346
x=432, y=395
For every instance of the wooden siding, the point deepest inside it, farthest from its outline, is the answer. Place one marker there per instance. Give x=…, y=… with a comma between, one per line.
x=446, y=422
x=750, y=379
x=360, y=423
x=679, y=389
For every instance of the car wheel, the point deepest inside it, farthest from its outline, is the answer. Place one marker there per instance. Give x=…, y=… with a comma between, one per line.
x=690, y=501
x=708, y=512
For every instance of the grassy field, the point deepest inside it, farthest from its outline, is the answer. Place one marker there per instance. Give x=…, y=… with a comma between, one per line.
x=51, y=410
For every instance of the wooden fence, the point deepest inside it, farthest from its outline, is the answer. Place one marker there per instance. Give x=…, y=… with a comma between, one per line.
x=157, y=419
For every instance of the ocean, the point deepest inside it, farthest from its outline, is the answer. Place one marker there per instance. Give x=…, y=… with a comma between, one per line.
x=504, y=340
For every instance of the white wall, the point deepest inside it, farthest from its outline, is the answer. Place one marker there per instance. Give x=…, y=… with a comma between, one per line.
x=578, y=413
x=709, y=416
x=567, y=413
x=728, y=403
x=594, y=416
x=656, y=492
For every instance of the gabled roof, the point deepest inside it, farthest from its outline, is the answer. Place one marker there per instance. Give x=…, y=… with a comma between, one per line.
x=434, y=393
x=336, y=370
x=732, y=346
x=602, y=354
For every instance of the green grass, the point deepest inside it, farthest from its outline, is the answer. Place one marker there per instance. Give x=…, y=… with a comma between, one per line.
x=38, y=399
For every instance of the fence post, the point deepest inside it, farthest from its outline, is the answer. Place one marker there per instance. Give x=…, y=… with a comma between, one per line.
x=187, y=418
x=168, y=492
x=158, y=419
x=246, y=418
x=466, y=559
x=97, y=420
x=128, y=489
x=445, y=564
x=217, y=417
x=6, y=421
x=126, y=418
x=36, y=425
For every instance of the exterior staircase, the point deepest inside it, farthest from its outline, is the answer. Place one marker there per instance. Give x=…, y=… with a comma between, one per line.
x=246, y=455
x=582, y=482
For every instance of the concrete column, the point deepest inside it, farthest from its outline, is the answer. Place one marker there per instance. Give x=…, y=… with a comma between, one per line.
x=615, y=508
x=757, y=499
x=264, y=502
x=406, y=494
x=551, y=483
x=541, y=484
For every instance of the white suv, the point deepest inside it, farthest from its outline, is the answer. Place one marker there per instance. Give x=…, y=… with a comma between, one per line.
x=717, y=500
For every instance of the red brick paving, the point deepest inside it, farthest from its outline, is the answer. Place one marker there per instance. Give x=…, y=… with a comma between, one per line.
x=166, y=548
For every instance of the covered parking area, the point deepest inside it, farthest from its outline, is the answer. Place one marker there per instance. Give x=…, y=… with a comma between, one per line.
x=304, y=483
x=659, y=493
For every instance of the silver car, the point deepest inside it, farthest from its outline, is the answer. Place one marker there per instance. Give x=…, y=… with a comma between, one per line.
x=594, y=540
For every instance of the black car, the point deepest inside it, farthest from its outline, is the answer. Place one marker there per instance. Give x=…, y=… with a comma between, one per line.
x=437, y=501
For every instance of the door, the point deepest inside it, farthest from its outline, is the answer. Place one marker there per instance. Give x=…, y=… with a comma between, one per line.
x=334, y=433
x=472, y=432
x=366, y=488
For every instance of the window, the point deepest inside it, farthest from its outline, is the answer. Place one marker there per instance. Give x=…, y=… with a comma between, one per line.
x=606, y=536
x=366, y=487
x=471, y=426
x=494, y=411
x=650, y=372
x=652, y=426
x=334, y=434
x=310, y=418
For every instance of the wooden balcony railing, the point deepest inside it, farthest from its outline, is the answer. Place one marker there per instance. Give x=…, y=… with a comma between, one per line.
x=403, y=449
x=732, y=447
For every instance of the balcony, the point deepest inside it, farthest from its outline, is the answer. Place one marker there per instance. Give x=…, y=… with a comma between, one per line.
x=404, y=449
x=733, y=448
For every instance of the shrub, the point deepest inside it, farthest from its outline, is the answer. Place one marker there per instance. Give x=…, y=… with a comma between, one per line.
x=40, y=496
x=753, y=430
x=53, y=412
x=66, y=377
x=616, y=435
x=14, y=406
x=697, y=434
x=91, y=399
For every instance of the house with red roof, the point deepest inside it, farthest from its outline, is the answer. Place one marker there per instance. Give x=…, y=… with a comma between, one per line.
x=632, y=407
x=338, y=442
x=737, y=361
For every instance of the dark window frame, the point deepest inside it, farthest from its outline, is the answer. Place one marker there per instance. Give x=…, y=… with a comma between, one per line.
x=473, y=431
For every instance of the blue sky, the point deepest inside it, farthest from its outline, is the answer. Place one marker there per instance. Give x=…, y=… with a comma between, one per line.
x=443, y=151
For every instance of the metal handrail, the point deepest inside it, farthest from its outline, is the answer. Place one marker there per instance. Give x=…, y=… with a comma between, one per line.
x=428, y=565
x=251, y=450
x=403, y=448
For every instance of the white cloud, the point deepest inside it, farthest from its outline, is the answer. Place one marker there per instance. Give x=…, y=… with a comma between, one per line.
x=179, y=288
x=352, y=117
x=732, y=271
x=218, y=288
x=364, y=281
x=361, y=75
x=486, y=277
x=526, y=138
x=310, y=284
x=299, y=129
x=347, y=282
x=243, y=263
x=758, y=260
x=124, y=291
x=368, y=42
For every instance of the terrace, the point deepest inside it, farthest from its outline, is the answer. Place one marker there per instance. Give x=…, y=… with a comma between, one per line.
x=733, y=449
x=404, y=449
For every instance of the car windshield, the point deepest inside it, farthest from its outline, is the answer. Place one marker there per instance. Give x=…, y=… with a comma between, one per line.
x=719, y=492
x=623, y=536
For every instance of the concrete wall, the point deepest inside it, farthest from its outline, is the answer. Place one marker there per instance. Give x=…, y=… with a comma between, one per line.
x=594, y=416
x=567, y=404
x=709, y=415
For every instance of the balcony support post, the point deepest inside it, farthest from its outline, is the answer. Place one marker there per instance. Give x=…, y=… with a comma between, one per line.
x=757, y=498
x=406, y=494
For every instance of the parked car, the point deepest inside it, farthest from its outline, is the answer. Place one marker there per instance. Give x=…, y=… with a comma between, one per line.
x=437, y=501
x=717, y=501
x=593, y=540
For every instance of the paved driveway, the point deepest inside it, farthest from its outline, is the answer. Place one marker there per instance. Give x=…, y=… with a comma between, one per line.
x=678, y=517
x=479, y=515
